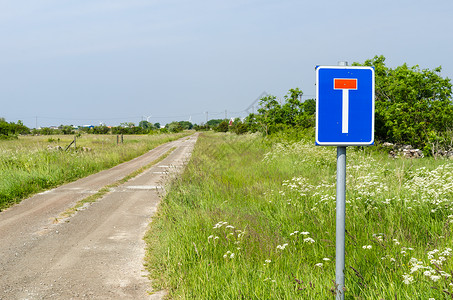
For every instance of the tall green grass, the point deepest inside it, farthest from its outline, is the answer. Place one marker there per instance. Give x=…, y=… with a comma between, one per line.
x=255, y=219
x=31, y=163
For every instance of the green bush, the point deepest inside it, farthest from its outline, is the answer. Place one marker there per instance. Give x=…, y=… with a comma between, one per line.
x=413, y=105
x=222, y=127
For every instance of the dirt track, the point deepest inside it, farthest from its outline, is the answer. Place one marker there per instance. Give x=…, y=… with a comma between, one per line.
x=97, y=253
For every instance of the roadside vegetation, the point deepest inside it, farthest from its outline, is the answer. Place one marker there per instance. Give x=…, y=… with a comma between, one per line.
x=30, y=164
x=253, y=217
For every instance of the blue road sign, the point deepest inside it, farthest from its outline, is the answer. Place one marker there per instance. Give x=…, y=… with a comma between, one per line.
x=344, y=106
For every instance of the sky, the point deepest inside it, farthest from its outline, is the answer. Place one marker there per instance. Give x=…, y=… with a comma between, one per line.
x=80, y=62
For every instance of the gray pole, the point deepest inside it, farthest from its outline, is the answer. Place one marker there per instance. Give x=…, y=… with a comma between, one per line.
x=341, y=215
x=340, y=226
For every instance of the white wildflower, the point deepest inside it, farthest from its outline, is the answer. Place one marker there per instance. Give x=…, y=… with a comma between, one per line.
x=304, y=233
x=282, y=247
x=446, y=252
x=378, y=237
x=415, y=268
x=435, y=277
x=445, y=274
x=220, y=224
x=318, y=265
x=408, y=279
x=367, y=247
x=413, y=261
x=326, y=259
x=309, y=240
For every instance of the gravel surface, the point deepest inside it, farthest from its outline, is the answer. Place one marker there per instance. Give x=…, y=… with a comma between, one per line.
x=98, y=252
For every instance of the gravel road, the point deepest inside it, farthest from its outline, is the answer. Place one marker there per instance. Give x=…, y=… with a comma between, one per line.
x=98, y=252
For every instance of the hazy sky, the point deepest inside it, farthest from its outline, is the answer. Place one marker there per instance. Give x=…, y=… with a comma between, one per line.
x=84, y=62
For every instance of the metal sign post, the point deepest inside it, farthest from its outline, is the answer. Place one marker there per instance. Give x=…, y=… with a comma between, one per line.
x=340, y=222
x=344, y=117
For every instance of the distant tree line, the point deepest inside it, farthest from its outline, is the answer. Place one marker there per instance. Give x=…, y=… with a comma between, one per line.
x=12, y=130
x=272, y=116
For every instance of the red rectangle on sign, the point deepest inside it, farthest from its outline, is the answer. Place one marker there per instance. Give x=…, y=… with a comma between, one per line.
x=344, y=84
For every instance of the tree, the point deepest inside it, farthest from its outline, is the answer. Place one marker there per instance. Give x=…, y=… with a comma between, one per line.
x=412, y=105
x=239, y=127
x=174, y=127
x=222, y=127
x=127, y=124
x=214, y=122
x=269, y=113
x=66, y=129
x=309, y=106
x=12, y=129
x=293, y=108
x=186, y=125
x=273, y=117
x=145, y=125
x=101, y=129
x=157, y=125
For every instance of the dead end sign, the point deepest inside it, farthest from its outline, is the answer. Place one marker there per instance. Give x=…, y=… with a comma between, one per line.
x=344, y=106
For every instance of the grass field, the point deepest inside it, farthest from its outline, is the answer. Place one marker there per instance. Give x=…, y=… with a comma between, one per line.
x=252, y=218
x=32, y=163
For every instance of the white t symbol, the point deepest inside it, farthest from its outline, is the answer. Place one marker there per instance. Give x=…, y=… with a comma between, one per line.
x=345, y=84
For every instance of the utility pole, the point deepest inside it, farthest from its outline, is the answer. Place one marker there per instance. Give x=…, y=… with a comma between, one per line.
x=206, y=117
x=226, y=116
